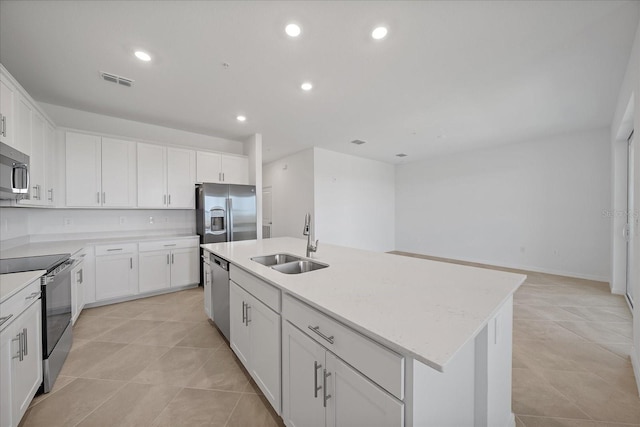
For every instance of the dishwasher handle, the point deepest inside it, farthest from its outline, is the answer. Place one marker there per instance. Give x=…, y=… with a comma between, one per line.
x=224, y=264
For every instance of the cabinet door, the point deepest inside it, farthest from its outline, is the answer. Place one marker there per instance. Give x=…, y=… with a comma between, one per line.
x=181, y=178
x=37, y=186
x=208, y=167
x=207, y=290
x=240, y=334
x=154, y=271
x=83, y=170
x=116, y=276
x=7, y=103
x=8, y=349
x=302, y=366
x=264, y=325
x=152, y=177
x=235, y=170
x=27, y=373
x=22, y=138
x=357, y=401
x=50, y=164
x=185, y=268
x=118, y=173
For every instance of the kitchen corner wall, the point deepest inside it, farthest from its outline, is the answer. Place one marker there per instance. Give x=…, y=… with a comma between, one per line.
x=351, y=198
x=540, y=205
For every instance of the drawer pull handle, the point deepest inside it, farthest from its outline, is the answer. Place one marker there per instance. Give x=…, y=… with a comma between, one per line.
x=33, y=295
x=20, y=339
x=324, y=385
x=244, y=313
x=25, y=349
x=316, y=329
x=4, y=319
x=173, y=244
x=316, y=388
x=116, y=249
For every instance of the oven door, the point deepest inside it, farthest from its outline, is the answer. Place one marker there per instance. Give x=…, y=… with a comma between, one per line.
x=56, y=306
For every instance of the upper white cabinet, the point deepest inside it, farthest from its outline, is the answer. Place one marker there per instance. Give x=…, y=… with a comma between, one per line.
x=166, y=177
x=51, y=160
x=8, y=113
x=222, y=168
x=100, y=172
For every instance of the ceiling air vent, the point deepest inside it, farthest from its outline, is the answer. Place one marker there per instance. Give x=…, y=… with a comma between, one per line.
x=358, y=142
x=116, y=79
x=401, y=155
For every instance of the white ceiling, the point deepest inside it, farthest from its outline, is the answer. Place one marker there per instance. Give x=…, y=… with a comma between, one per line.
x=479, y=73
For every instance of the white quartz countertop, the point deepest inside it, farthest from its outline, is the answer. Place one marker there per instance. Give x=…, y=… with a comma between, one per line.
x=423, y=309
x=15, y=282
x=73, y=246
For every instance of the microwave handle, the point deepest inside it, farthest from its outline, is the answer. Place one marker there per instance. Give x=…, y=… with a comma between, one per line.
x=13, y=174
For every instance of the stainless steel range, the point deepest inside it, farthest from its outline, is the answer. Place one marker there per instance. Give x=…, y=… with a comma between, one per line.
x=56, y=308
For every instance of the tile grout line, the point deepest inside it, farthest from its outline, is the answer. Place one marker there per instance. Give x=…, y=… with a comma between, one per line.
x=105, y=401
x=232, y=411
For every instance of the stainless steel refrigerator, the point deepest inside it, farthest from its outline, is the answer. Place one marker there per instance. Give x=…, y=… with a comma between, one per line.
x=224, y=213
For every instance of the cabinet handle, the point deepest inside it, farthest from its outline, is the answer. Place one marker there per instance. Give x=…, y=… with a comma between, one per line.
x=169, y=199
x=248, y=318
x=167, y=259
x=173, y=244
x=219, y=176
x=131, y=263
x=98, y=194
x=316, y=388
x=4, y=125
x=4, y=319
x=172, y=259
x=164, y=199
x=33, y=295
x=25, y=349
x=316, y=329
x=244, y=313
x=35, y=192
x=115, y=249
x=50, y=191
x=324, y=386
x=20, y=339
x=104, y=197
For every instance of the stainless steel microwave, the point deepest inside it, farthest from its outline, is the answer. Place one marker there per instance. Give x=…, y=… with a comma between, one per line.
x=14, y=173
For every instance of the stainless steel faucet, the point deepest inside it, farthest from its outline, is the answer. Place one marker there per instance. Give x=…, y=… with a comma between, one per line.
x=311, y=247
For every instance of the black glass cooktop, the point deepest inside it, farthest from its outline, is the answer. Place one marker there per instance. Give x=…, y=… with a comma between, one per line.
x=32, y=263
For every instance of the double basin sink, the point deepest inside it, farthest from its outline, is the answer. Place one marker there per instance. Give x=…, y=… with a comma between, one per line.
x=289, y=264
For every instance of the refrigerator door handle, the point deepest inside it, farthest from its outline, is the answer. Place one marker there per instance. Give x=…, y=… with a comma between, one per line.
x=231, y=225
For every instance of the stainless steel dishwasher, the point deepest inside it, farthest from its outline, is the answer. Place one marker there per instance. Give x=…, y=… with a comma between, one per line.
x=220, y=293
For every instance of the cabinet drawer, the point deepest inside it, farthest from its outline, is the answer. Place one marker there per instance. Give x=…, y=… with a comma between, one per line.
x=19, y=302
x=378, y=363
x=269, y=295
x=115, y=249
x=168, y=245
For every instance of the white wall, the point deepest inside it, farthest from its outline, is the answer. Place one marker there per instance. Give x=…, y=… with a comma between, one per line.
x=13, y=223
x=253, y=149
x=84, y=120
x=291, y=182
x=626, y=117
x=513, y=205
x=354, y=201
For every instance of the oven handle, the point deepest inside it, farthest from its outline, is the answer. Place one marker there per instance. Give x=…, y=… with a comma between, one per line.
x=69, y=264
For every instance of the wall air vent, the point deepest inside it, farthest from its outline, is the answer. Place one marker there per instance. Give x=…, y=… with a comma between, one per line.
x=401, y=155
x=358, y=142
x=116, y=79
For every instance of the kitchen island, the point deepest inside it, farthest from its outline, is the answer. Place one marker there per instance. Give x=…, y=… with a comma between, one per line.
x=432, y=339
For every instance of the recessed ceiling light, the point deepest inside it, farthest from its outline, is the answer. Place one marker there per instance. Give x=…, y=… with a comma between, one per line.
x=143, y=56
x=401, y=155
x=241, y=118
x=306, y=86
x=292, y=30
x=379, y=33
x=358, y=142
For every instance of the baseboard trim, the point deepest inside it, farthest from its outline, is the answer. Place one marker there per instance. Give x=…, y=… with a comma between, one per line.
x=139, y=296
x=523, y=268
x=636, y=366
x=511, y=421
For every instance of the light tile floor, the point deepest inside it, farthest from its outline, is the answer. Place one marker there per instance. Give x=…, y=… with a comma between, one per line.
x=158, y=362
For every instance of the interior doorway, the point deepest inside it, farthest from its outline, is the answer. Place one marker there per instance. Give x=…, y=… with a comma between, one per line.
x=629, y=228
x=266, y=212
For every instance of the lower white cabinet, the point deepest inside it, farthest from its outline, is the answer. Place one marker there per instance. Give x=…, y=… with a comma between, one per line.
x=319, y=389
x=77, y=291
x=20, y=362
x=116, y=271
x=255, y=339
x=168, y=264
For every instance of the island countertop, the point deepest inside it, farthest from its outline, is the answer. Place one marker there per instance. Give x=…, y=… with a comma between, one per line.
x=420, y=308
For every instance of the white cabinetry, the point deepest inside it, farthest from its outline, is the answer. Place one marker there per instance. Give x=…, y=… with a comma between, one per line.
x=172, y=263
x=222, y=168
x=22, y=138
x=100, y=172
x=50, y=155
x=255, y=338
x=20, y=353
x=206, y=274
x=8, y=112
x=77, y=291
x=166, y=177
x=116, y=271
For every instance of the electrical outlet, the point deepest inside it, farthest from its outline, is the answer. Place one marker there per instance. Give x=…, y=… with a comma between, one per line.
x=67, y=222
x=556, y=252
x=150, y=220
x=123, y=220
